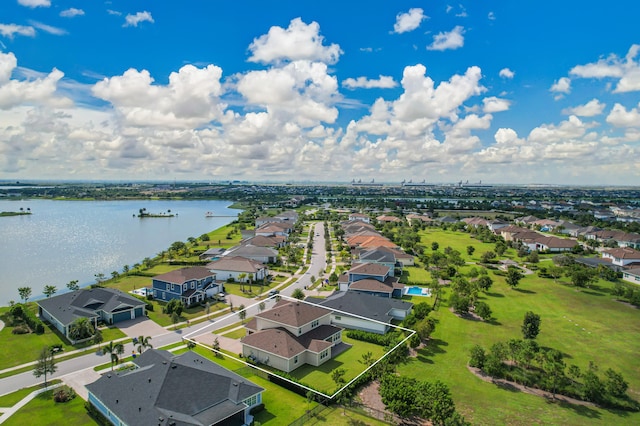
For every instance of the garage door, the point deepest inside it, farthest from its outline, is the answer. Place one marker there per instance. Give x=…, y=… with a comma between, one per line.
x=121, y=316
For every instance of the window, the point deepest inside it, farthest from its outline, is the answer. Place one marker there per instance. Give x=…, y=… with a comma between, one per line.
x=295, y=359
x=168, y=286
x=251, y=401
x=324, y=354
x=193, y=285
x=338, y=318
x=184, y=287
x=315, y=323
x=164, y=296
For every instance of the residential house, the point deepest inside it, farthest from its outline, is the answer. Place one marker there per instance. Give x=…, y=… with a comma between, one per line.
x=190, y=285
x=371, y=278
x=378, y=255
x=231, y=267
x=359, y=217
x=167, y=389
x=291, y=334
x=419, y=217
x=263, y=220
x=549, y=244
x=388, y=219
x=212, y=253
x=632, y=275
x=264, y=241
x=97, y=304
x=622, y=256
x=368, y=241
x=280, y=229
x=360, y=311
x=525, y=220
x=288, y=216
x=257, y=253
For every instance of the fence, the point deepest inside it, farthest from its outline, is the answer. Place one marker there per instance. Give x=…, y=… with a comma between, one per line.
x=314, y=412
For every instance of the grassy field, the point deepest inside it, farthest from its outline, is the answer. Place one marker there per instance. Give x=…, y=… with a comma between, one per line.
x=585, y=325
x=43, y=411
x=20, y=348
x=320, y=377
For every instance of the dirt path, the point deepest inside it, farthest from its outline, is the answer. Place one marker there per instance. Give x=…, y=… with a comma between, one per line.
x=532, y=391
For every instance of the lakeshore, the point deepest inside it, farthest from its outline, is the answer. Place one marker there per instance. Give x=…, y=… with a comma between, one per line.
x=64, y=241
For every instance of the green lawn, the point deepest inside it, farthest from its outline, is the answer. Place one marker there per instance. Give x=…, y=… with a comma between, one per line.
x=22, y=348
x=319, y=378
x=457, y=241
x=585, y=325
x=43, y=411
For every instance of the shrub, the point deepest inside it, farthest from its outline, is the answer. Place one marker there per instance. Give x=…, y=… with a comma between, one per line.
x=378, y=339
x=258, y=408
x=20, y=329
x=63, y=394
x=149, y=307
x=96, y=415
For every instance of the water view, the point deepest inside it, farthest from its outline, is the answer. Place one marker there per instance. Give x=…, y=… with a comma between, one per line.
x=74, y=240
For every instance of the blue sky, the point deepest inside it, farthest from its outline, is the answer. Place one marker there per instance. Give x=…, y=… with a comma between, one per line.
x=498, y=91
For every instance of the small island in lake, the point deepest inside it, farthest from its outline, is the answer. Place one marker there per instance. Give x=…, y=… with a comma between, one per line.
x=143, y=213
x=22, y=212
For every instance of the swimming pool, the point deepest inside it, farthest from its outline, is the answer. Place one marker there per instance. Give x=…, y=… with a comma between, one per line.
x=417, y=291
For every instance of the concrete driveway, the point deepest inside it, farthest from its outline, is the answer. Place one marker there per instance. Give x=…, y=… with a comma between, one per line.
x=141, y=326
x=77, y=380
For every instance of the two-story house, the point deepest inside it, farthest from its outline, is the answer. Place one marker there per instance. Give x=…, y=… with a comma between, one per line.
x=291, y=334
x=190, y=285
x=371, y=278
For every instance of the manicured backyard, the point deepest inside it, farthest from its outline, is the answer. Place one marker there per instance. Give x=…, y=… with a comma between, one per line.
x=43, y=411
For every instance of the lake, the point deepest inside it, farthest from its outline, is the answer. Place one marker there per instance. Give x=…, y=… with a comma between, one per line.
x=74, y=240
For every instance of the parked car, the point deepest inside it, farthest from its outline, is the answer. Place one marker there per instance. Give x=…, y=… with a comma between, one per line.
x=274, y=292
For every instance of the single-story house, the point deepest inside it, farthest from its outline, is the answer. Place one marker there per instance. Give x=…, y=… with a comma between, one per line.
x=167, y=389
x=291, y=334
x=632, y=275
x=355, y=310
x=262, y=241
x=212, y=253
x=231, y=267
x=257, y=253
x=190, y=285
x=97, y=304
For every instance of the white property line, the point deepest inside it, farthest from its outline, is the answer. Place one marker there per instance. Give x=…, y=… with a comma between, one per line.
x=412, y=332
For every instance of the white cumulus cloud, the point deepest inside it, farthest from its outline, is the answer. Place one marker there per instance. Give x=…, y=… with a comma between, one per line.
x=562, y=85
x=10, y=30
x=35, y=3
x=71, y=12
x=620, y=117
x=299, y=41
x=506, y=73
x=383, y=82
x=453, y=39
x=494, y=104
x=592, y=108
x=134, y=20
x=409, y=21
x=626, y=70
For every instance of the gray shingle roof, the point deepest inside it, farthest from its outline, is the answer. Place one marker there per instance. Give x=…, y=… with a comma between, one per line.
x=183, y=275
x=364, y=305
x=187, y=388
x=67, y=307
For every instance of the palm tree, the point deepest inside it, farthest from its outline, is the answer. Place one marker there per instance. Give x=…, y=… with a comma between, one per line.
x=81, y=329
x=241, y=277
x=143, y=343
x=49, y=290
x=115, y=350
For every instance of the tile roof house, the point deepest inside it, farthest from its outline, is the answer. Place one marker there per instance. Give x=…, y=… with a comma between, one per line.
x=622, y=256
x=368, y=313
x=359, y=217
x=190, y=285
x=387, y=218
x=371, y=278
x=169, y=389
x=97, y=304
x=291, y=334
x=370, y=241
x=230, y=267
x=264, y=241
x=280, y=229
x=548, y=244
x=632, y=275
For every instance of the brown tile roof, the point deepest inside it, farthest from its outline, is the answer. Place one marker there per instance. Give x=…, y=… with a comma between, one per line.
x=623, y=253
x=279, y=341
x=264, y=241
x=180, y=276
x=369, y=284
x=555, y=242
x=294, y=314
x=369, y=269
x=387, y=218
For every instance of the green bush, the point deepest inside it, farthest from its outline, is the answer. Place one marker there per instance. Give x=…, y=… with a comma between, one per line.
x=378, y=339
x=63, y=394
x=20, y=329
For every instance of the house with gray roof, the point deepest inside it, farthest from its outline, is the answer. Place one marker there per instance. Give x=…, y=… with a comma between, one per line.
x=231, y=267
x=360, y=311
x=257, y=253
x=371, y=278
x=191, y=285
x=178, y=390
x=97, y=304
x=291, y=334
